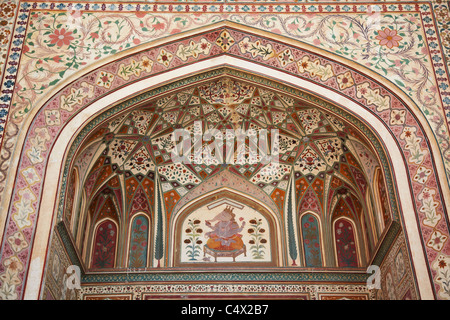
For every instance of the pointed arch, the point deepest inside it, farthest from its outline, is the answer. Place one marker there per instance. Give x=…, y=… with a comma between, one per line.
x=312, y=239
x=47, y=202
x=344, y=208
x=310, y=202
x=274, y=233
x=102, y=207
x=138, y=242
x=104, y=244
x=346, y=244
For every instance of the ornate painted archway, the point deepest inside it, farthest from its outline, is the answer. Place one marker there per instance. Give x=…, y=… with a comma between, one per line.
x=399, y=125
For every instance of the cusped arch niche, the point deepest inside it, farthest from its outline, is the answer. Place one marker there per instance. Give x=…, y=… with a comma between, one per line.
x=226, y=229
x=324, y=151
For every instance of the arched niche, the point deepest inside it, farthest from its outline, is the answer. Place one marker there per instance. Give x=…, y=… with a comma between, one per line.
x=104, y=245
x=225, y=229
x=312, y=240
x=346, y=243
x=139, y=235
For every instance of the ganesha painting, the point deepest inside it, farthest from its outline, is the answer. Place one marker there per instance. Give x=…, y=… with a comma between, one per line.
x=225, y=232
x=225, y=237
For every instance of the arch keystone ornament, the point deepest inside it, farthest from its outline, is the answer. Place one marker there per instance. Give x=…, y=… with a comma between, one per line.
x=53, y=131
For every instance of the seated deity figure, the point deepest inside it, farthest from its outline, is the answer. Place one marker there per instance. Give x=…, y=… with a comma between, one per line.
x=225, y=233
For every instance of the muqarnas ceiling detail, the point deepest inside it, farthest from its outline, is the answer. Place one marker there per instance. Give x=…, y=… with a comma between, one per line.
x=328, y=167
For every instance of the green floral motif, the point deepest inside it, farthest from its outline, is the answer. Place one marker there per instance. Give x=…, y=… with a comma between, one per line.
x=417, y=154
x=194, y=49
x=256, y=48
x=193, y=241
x=257, y=240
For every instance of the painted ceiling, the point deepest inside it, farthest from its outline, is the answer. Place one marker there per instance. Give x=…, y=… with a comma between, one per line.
x=330, y=160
